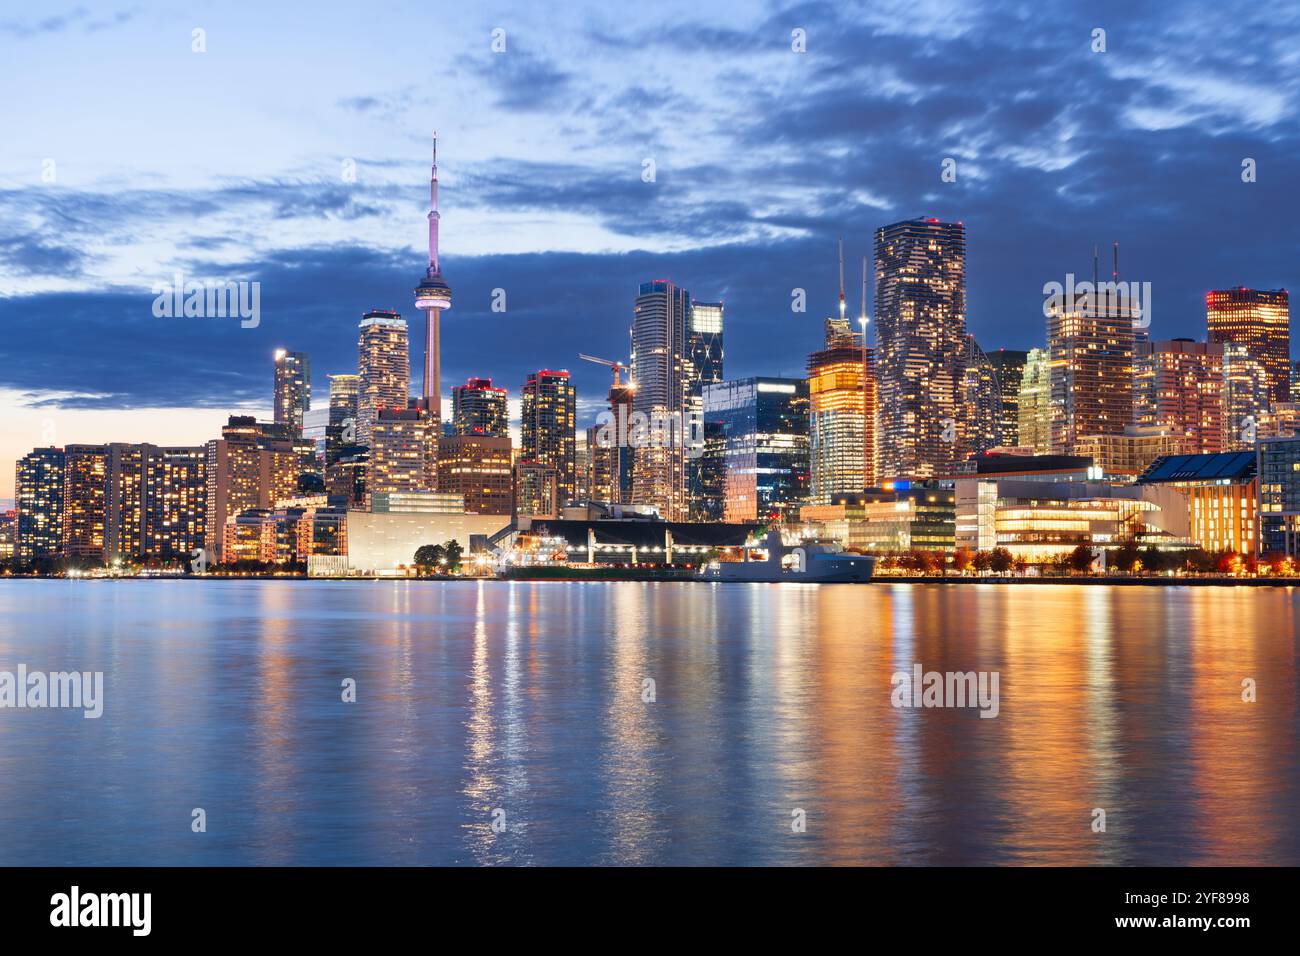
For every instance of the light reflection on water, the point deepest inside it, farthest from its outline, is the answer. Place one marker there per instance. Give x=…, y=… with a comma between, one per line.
x=527, y=697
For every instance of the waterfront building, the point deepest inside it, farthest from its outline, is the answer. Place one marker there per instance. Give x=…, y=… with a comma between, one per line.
x=641, y=540
x=665, y=382
x=8, y=534
x=38, y=489
x=901, y=516
x=1179, y=385
x=1260, y=320
x=1278, y=466
x=478, y=468
x=762, y=424
x=1222, y=492
x=480, y=409
x=537, y=490
x=1009, y=367
x=1042, y=520
x=920, y=344
x=1034, y=411
x=175, y=503
x=1090, y=357
x=547, y=427
x=85, y=490
x=384, y=543
x=384, y=368
x=842, y=394
x=292, y=388
x=251, y=466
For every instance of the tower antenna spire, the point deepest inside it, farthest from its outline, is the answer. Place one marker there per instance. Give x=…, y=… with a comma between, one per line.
x=841, y=278
x=433, y=297
x=864, y=290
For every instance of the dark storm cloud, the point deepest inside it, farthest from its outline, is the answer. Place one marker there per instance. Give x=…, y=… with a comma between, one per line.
x=1057, y=149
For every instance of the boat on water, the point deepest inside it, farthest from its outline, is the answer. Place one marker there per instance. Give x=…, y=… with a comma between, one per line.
x=812, y=561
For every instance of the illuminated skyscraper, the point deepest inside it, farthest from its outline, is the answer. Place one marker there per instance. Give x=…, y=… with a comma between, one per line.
x=1178, y=384
x=704, y=349
x=980, y=423
x=292, y=388
x=1260, y=320
x=1246, y=393
x=920, y=344
x=85, y=488
x=1009, y=365
x=537, y=493
x=609, y=456
x=384, y=368
x=1090, y=347
x=480, y=409
x=252, y=465
x=763, y=427
x=341, y=431
x=840, y=393
x=661, y=369
x=400, y=452
x=175, y=503
x=1034, y=411
x=546, y=432
x=38, y=531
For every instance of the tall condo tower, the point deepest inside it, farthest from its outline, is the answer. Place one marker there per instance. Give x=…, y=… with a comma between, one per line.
x=432, y=296
x=920, y=345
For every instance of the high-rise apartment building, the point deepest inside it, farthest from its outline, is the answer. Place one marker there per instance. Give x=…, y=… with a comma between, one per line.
x=38, y=490
x=537, y=490
x=1260, y=320
x=383, y=368
x=1009, y=366
x=1090, y=348
x=252, y=465
x=1178, y=384
x=478, y=408
x=292, y=388
x=402, y=456
x=85, y=490
x=547, y=427
x=920, y=343
x=609, y=453
x=661, y=369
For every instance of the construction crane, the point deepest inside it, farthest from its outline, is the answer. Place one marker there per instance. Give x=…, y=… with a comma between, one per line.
x=616, y=366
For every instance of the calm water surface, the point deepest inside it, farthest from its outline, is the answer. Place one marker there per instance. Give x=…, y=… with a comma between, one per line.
x=527, y=697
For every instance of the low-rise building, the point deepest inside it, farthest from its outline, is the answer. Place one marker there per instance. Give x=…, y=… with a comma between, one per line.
x=1222, y=496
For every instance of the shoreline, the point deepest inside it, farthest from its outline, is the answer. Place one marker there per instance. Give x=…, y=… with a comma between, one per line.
x=690, y=578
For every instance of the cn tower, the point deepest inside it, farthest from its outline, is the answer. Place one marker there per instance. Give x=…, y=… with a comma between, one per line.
x=433, y=295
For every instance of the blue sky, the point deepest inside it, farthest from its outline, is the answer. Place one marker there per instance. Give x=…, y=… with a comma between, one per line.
x=128, y=156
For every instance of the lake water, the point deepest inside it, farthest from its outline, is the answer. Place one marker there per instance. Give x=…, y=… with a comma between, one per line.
x=523, y=703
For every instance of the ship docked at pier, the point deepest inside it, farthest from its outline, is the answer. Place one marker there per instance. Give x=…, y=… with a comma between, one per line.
x=812, y=561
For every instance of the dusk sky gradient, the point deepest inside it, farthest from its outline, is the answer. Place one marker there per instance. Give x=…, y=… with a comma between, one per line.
x=229, y=164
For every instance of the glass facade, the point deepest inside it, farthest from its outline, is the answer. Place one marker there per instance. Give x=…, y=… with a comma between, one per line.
x=760, y=427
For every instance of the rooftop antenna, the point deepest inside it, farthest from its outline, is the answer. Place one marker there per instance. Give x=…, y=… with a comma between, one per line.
x=1094, y=266
x=863, y=317
x=841, y=279
x=1114, y=275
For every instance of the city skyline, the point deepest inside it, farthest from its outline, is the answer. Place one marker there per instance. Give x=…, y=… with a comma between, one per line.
x=1064, y=149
